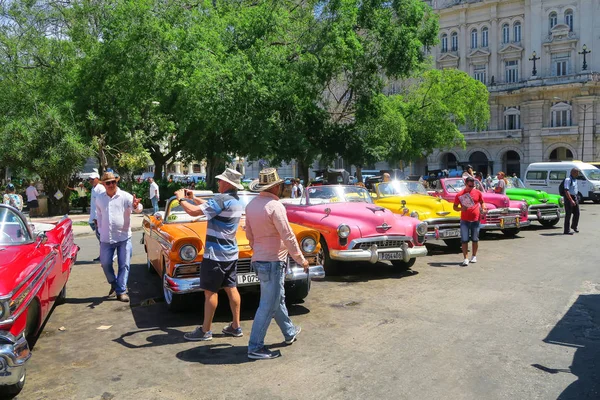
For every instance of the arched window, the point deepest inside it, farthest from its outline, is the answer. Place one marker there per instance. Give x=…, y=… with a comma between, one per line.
x=505, y=33
x=517, y=32
x=454, y=41
x=484, y=37
x=474, y=39
x=569, y=19
x=561, y=114
x=553, y=20
x=444, y=43
x=512, y=118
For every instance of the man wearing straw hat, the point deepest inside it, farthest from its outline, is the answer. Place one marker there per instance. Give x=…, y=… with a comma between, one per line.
x=271, y=238
x=219, y=264
x=113, y=213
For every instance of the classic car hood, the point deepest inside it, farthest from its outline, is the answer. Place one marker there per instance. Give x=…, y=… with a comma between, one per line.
x=198, y=229
x=498, y=200
x=15, y=264
x=362, y=216
x=532, y=196
x=427, y=206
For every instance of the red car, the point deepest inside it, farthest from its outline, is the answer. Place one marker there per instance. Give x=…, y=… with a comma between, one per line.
x=354, y=229
x=35, y=263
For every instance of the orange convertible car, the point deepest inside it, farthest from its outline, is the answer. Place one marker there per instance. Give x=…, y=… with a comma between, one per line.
x=174, y=244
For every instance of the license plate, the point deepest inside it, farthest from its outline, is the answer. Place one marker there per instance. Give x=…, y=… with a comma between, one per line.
x=396, y=255
x=450, y=233
x=247, y=279
x=510, y=221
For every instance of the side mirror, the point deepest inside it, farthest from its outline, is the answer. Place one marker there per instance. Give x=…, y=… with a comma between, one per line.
x=403, y=202
x=41, y=239
x=159, y=216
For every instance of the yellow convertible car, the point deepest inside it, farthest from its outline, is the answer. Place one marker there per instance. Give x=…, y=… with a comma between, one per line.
x=174, y=244
x=411, y=198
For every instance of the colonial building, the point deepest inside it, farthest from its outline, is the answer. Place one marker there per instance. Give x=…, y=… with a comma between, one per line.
x=540, y=61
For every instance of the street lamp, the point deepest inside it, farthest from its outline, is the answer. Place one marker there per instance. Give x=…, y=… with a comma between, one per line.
x=584, y=53
x=534, y=59
x=583, y=107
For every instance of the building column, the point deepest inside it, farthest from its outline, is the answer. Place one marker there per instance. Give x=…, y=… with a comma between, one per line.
x=532, y=116
x=493, y=43
x=586, y=120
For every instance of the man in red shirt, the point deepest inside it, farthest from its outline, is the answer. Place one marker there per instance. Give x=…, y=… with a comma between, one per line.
x=469, y=202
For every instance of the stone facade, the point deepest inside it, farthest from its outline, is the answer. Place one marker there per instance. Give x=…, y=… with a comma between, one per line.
x=552, y=113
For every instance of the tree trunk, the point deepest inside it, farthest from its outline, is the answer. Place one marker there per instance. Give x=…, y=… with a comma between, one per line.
x=214, y=166
x=303, y=171
x=159, y=164
x=359, y=177
x=56, y=206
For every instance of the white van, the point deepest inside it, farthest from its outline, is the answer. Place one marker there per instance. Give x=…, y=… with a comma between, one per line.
x=547, y=176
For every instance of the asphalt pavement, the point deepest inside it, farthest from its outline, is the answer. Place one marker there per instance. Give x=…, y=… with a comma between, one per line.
x=522, y=323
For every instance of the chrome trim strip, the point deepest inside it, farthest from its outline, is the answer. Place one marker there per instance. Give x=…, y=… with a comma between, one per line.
x=354, y=242
x=372, y=254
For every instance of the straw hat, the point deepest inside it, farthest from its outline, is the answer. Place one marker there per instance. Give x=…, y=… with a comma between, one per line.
x=109, y=176
x=267, y=178
x=232, y=177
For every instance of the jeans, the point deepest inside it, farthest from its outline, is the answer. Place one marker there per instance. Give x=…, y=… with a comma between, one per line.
x=272, y=304
x=155, y=204
x=124, y=250
x=469, y=229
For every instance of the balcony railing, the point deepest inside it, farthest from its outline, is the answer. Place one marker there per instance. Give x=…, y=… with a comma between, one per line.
x=516, y=134
x=560, y=130
x=546, y=81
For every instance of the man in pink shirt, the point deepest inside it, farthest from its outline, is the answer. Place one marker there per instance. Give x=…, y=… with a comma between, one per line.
x=271, y=238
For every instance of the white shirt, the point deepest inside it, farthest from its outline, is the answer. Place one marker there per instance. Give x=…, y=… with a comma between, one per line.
x=153, y=190
x=96, y=191
x=32, y=193
x=114, y=216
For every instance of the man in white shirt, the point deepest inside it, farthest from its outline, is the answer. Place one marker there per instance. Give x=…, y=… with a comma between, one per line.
x=97, y=189
x=32, y=201
x=154, y=196
x=113, y=213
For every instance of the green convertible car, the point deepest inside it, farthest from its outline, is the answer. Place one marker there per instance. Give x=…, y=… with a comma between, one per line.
x=546, y=208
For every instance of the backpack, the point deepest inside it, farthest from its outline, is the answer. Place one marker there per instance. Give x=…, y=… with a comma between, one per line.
x=561, y=187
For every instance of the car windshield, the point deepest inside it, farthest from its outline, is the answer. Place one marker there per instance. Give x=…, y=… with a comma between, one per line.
x=454, y=185
x=176, y=213
x=336, y=194
x=400, y=188
x=592, y=174
x=12, y=228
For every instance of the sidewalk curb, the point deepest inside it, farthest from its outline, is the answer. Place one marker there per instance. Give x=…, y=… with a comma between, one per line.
x=85, y=234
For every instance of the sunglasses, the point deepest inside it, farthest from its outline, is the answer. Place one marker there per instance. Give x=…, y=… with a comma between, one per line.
x=473, y=185
x=110, y=183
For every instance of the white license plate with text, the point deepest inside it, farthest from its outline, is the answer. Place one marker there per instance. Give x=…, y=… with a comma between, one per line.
x=450, y=233
x=510, y=221
x=247, y=279
x=396, y=255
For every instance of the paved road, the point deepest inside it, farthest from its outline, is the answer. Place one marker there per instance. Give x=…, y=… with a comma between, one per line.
x=522, y=323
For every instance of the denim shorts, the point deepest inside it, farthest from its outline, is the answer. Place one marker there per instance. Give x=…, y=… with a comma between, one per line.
x=215, y=275
x=469, y=229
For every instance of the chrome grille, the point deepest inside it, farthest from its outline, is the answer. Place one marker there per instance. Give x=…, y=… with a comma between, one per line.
x=67, y=245
x=495, y=218
x=381, y=244
x=243, y=265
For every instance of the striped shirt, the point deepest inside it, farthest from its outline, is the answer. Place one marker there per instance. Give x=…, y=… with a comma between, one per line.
x=223, y=213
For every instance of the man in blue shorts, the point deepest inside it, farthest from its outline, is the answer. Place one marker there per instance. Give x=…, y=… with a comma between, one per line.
x=469, y=202
x=219, y=265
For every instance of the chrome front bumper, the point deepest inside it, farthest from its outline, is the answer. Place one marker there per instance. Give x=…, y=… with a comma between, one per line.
x=442, y=234
x=192, y=284
x=14, y=353
x=536, y=215
x=520, y=224
x=372, y=254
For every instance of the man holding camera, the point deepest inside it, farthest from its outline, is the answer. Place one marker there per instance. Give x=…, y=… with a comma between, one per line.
x=219, y=265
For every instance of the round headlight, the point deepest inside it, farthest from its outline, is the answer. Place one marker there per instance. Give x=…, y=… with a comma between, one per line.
x=561, y=202
x=343, y=231
x=308, y=245
x=188, y=252
x=523, y=207
x=422, y=229
x=414, y=214
x=3, y=308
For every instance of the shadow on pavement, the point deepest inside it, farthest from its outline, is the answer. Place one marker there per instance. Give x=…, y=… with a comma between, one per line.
x=364, y=272
x=436, y=249
x=216, y=354
x=445, y=264
x=552, y=234
x=579, y=328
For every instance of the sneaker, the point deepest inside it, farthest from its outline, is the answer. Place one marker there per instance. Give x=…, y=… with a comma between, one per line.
x=576, y=230
x=112, y=292
x=229, y=331
x=264, y=354
x=198, y=335
x=473, y=259
x=123, y=297
x=465, y=262
x=293, y=338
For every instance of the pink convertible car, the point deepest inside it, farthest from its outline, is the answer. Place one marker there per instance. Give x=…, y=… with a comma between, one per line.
x=354, y=229
x=503, y=214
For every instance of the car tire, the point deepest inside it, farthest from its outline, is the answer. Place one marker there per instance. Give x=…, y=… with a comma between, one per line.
x=330, y=266
x=297, y=291
x=403, y=265
x=453, y=243
x=596, y=201
x=175, y=302
x=62, y=296
x=511, y=232
x=580, y=199
x=549, y=224
x=11, y=391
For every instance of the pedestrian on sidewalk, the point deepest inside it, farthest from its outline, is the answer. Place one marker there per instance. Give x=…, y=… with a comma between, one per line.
x=11, y=198
x=32, y=201
x=97, y=190
x=271, y=238
x=571, y=203
x=219, y=265
x=113, y=215
x=154, y=195
x=469, y=202
x=81, y=196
